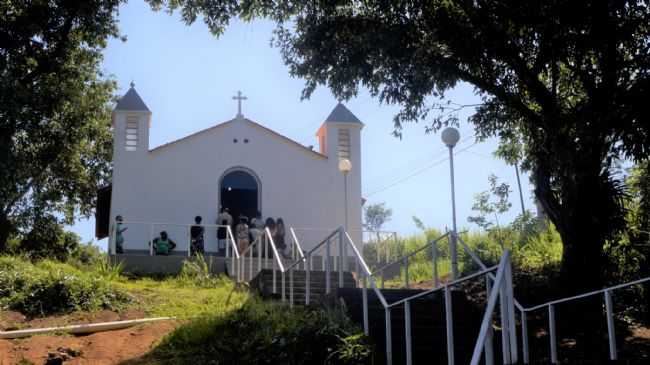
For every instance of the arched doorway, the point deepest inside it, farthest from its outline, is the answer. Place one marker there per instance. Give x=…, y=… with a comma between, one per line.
x=239, y=191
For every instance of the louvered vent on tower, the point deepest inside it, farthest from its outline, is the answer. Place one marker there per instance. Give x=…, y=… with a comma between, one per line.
x=344, y=143
x=132, y=134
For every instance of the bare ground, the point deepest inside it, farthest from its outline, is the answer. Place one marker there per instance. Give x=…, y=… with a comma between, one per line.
x=111, y=347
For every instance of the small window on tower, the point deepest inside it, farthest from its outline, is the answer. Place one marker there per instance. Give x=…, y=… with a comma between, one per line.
x=344, y=144
x=132, y=134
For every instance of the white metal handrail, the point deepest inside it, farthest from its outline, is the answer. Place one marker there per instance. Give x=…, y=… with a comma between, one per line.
x=450, y=284
x=510, y=339
x=231, y=244
x=297, y=245
x=410, y=254
x=609, y=313
x=503, y=290
x=404, y=260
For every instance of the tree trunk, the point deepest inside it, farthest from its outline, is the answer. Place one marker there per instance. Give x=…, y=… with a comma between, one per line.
x=586, y=211
x=5, y=231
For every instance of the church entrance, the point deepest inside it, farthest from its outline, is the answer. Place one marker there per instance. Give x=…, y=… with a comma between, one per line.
x=240, y=193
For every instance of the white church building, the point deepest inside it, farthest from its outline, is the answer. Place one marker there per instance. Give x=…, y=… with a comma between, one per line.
x=239, y=164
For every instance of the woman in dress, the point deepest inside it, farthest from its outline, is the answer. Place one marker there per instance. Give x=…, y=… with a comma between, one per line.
x=278, y=237
x=270, y=224
x=243, y=234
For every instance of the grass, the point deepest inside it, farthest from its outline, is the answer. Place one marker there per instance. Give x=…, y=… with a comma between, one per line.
x=265, y=333
x=529, y=252
x=222, y=322
x=48, y=287
x=168, y=297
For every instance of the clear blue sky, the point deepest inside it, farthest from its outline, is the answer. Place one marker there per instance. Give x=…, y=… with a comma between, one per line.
x=187, y=77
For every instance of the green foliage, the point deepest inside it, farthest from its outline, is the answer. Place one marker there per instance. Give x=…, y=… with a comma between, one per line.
x=532, y=249
x=49, y=287
x=197, y=272
x=99, y=284
x=572, y=94
x=182, y=299
x=48, y=239
x=486, y=207
x=55, y=137
x=266, y=333
x=376, y=215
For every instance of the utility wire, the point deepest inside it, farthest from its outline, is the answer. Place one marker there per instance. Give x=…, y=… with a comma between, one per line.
x=414, y=162
x=418, y=172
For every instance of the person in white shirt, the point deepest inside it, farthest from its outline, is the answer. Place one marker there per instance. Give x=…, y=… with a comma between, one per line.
x=257, y=230
x=225, y=220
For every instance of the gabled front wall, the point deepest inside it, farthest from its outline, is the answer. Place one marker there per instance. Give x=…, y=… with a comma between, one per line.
x=175, y=182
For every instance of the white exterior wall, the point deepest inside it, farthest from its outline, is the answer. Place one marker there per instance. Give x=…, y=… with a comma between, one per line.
x=175, y=182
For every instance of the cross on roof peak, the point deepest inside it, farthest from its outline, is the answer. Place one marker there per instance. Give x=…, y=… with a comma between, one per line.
x=239, y=97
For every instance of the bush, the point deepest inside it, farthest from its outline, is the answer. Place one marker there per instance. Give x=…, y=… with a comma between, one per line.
x=197, y=272
x=532, y=248
x=49, y=287
x=266, y=333
x=48, y=239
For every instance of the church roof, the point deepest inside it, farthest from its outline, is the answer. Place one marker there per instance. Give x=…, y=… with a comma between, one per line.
x=254, y=124
x=131, y=101
x=341, y=114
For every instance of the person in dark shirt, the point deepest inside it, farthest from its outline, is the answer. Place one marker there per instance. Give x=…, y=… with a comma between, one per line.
x=196, y=237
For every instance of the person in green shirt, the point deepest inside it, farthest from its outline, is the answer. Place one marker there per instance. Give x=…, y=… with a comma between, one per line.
x=163, y=245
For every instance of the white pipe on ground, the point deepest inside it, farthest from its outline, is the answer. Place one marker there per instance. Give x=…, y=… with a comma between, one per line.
x=80, y=328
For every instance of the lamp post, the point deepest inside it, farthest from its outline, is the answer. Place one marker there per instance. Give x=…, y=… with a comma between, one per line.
x=345, y=166
x=450, y=137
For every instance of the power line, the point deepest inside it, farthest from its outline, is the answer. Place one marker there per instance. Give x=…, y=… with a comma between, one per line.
x=413, y=162
x=418, y=172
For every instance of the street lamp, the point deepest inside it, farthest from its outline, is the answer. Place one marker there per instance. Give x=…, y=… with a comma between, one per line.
x=451, y=136
x=345, y=166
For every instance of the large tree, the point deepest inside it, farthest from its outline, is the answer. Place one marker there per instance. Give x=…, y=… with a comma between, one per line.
x=55, y=139
x=569, y=77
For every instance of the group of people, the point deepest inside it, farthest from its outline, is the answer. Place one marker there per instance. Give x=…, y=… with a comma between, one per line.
x=245, y=235
x=162, y=245
x=247, y=232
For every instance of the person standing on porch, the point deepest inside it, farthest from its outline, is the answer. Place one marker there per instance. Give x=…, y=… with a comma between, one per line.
x=278, y=237
x=196, y=236
x=257, y=230
x=243, y=234
x=224, y=220
x=270, y=224
x=119, y=238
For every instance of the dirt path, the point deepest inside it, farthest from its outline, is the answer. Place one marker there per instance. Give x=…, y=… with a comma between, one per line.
x=110, y=347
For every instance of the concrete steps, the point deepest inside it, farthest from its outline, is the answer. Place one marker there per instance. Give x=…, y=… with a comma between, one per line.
x=263, y=283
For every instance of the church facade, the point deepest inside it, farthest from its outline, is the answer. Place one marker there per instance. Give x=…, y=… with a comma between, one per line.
x=238, y=164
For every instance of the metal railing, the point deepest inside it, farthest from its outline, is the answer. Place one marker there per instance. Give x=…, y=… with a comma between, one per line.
x=405, y=259
x=383, y=242
x=367, y=277
x=609, y=314
x=550, y=307
x=180, y=233
x=502, y=290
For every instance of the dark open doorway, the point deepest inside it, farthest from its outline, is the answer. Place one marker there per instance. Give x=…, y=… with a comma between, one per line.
x=239, y=193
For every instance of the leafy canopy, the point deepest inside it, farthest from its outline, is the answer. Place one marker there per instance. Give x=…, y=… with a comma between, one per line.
x=569, y=79
x=55, y=140
x=376, y=215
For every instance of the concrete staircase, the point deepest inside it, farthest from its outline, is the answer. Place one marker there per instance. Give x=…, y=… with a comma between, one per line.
x=263, y=283
x=428, y=326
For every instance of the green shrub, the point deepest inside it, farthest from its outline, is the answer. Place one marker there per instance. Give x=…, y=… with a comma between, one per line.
x=49, y=287
x=532, y=248
x=48, y=239
x=197, y=272
x=266, y=333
